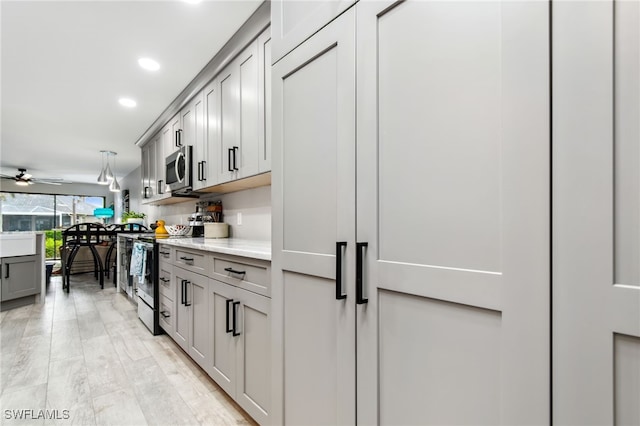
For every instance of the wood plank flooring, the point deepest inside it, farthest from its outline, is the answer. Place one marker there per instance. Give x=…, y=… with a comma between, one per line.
x=87, y=353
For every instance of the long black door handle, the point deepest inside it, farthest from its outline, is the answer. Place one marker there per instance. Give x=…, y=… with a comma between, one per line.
x=186, y=297
x=339, y=293
x=229, y=151
x=7, y=272
x=360, y=299
x=204, y=170
x=235, y=322
x=235, y=154
x=228, y=323
x=182, y=299
x=179, y=137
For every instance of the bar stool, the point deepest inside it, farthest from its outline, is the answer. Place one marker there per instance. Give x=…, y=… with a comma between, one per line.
x=82, y=235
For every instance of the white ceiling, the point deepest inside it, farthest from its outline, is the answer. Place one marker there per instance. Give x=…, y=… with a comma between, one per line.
x=65, y=64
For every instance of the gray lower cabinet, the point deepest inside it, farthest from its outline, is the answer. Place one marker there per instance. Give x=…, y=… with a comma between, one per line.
x=240, y=346
x=191, y=314
x=19, y=277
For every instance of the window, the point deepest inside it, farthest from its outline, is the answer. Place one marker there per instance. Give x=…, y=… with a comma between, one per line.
x=48, y=213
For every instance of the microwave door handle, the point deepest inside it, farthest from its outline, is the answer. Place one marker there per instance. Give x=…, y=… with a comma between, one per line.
x=176, y=168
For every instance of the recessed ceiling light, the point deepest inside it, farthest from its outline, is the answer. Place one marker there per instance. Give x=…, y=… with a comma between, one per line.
x=149, y=64
x=126, y=102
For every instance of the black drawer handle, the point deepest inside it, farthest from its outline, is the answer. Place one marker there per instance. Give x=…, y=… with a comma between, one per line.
x=164, y=280
x=165, y=314
x=228, y=324
x=165, y=253
x=235, y=324
x=186, y=259
x=339, y=294
x=360, y=299
x=233, y=271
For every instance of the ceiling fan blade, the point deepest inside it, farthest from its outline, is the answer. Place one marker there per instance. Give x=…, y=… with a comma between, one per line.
x=46, y=182
x=25, y=176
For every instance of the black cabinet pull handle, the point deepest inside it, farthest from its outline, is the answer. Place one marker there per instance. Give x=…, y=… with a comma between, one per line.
x=204, y=170
x=160, y=190
x=165, y=314
x=228, y=324
x=339, y=294
x=165, y=253
x=146, y=195
x=186, y=259
x=229, y=159
x=233, y=271
x=199, y=171
x=186, y=297
x=235, y=333
x=7, y=272
x=179, y=137
x=182, y=293
x=164, y=280
x=235, y=151
x=360, y=299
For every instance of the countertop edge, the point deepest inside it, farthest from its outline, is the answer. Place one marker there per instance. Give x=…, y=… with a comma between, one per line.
x=260, y=250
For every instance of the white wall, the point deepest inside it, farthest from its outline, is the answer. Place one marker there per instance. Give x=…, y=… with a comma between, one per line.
x=253, y=204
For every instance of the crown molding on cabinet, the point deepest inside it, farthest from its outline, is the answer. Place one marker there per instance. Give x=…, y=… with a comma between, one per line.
x=247, y=33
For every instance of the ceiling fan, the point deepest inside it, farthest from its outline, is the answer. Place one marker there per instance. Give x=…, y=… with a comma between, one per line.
x=23, y=179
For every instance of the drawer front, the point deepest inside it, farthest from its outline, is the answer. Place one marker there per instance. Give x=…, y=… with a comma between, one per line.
x=252, y=275
x=164, y=253
x=166, y=314
x=191, y=260
x=166, y=284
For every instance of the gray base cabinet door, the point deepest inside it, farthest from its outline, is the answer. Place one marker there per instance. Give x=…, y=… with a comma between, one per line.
x=19, y=277
x=192, y=315
x=313, y=187
x=239, y=325
x=596, y=213
x=453, y=213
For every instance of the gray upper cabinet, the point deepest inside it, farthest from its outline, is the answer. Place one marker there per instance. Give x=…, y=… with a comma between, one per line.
x=193, y=134
x=242, y=113
x=295, y=21
x=264, y=102
x=152, y=169
x=171, y=135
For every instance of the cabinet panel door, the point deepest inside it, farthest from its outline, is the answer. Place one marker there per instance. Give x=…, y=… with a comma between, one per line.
x=169, y=135
x=453, y=201
x=222, y=367
x=313, y=200
x=212, y=133
x=253, y=361
x=182, y=311
x=193, y=134
x=295, y=21
x=596, y=213
x=248, y=76
x=19, y=277
x=229, y=123
x=198, y=298
x=144, y=168
x=264, y=100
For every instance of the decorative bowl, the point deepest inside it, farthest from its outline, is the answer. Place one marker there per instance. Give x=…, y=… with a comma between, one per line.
x=178, y=229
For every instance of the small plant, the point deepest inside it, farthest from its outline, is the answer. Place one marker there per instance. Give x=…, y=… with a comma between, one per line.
x=132, y=215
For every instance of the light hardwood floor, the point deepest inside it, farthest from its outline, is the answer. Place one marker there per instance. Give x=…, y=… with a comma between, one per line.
x=87, y=352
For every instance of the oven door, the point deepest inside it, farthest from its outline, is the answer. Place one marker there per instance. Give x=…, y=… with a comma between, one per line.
x=178, y=170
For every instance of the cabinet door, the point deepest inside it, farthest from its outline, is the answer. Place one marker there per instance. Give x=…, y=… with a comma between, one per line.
x=193, y=134
x=295, y=21
x=314, y=189
x=453, y=201
x=253, y=363
x=170, y=138
x=145, y=154
x=223, y=360
x=264, y=101
x=152, y=169
x=160, y=185
x=19, y=277
x=247, y=67
x=211, y=95
x=229, y=124
x=182, y=311
x=596, y=213
x=198, y=299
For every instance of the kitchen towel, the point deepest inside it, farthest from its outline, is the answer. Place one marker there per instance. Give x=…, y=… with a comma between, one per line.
x=138, y=261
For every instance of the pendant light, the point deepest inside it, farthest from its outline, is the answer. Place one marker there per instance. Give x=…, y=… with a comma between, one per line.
x=102, y=179
x=114, y=186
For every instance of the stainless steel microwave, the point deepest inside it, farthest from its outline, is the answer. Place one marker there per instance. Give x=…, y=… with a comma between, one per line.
x=178, y=170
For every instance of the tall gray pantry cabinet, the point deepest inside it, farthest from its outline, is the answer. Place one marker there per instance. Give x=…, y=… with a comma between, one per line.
x=411, y=203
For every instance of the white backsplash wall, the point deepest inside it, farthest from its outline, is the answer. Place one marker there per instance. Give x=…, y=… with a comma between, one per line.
x=253, y=204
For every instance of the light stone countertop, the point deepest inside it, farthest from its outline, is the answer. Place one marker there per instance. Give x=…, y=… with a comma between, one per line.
x=234, y=246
